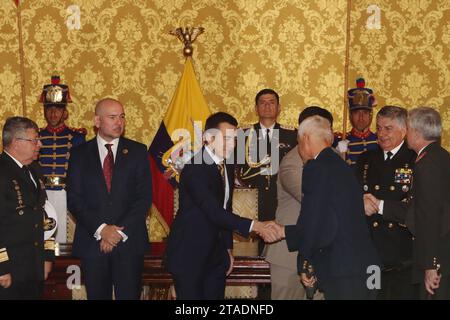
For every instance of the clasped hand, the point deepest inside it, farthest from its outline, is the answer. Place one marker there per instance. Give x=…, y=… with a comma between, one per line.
x=269, y=231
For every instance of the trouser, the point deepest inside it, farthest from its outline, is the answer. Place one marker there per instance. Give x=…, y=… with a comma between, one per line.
x=286, y=284
x=121, y=272
x=29, y=290
x=396, y=284
x=207, y=285
x=347, y=288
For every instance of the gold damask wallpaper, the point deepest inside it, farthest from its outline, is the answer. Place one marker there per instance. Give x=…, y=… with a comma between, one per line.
x=122, y=48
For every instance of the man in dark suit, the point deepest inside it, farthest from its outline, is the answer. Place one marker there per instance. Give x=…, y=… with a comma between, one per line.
x=429, y=206
x=385, y=175
x=331, y=233
x=199, y=248
x=25, y=258
x=109, y=194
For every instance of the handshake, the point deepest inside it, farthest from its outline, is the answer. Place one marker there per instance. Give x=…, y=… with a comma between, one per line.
x=269, y=231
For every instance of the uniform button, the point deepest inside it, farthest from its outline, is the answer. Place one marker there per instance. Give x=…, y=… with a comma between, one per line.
x=267, y=188
x=377, y=187
x=375, y=224
x=392, y=188
x=36, y=225
x=36, y=244
x=390, y=225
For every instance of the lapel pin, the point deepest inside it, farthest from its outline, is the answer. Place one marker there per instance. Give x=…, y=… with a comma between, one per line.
x=125, y=151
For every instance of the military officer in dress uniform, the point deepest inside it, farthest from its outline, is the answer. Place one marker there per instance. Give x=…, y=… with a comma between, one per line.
x=25, y=258
x=386, y=175
x=267, y=142
x=57, y=140
x=360, y=139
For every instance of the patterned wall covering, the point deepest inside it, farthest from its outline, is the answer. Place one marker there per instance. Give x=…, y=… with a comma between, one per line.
x=121, y=48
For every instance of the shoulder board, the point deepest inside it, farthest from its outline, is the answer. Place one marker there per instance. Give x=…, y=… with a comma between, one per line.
x=288, y=127
x=82, y=131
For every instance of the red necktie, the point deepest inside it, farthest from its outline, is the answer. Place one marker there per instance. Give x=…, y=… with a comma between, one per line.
x=108, y=165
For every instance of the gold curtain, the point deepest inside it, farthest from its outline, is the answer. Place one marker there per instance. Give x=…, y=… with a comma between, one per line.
x=122, y=49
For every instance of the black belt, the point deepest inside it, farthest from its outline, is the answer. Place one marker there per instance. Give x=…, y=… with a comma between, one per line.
x=55, y=181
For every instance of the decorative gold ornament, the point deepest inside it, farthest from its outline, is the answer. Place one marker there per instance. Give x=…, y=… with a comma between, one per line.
x=187, y=36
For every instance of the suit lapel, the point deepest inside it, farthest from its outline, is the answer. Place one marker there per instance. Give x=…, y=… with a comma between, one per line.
x=119, y=163
x=95, y=168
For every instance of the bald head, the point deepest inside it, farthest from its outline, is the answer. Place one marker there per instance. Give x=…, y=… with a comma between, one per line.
x=104, y=104
x=109, y=118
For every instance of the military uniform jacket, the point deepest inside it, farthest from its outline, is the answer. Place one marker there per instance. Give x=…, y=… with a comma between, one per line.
x=358, y=144
x=389, y=181
x=429, y=209
x=22, y=247
x=55, y=153
x=257, y=177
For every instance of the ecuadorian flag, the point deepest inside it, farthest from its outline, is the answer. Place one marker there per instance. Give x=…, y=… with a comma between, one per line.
x=178, y=137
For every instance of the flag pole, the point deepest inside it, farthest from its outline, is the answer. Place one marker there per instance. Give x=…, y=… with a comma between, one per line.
x=346, y=66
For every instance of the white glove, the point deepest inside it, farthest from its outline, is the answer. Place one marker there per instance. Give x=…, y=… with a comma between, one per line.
x=342, y=146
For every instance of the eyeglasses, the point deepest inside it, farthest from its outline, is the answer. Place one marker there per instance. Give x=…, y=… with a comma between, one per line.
x=34, y=141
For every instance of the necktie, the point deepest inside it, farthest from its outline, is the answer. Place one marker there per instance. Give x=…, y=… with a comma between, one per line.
x=268, y=141
x=389, y=156
x=221, y=168
x=108, y=165
x=28, y=176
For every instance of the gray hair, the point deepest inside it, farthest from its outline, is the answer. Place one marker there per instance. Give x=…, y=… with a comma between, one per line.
x=15, y=126
x=317, y=125
x=395, y=113
x=426, y=121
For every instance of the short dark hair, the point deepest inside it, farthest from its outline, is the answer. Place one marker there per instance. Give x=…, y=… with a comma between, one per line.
x=267, y=91
x=217, y=118
x=315, y=111
x=15, y=126
x=395, y=113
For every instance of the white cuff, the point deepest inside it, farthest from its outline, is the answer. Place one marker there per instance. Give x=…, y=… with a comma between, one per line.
x=380, y=207
x=124, y=236
x=97, y=235
x=251, y=225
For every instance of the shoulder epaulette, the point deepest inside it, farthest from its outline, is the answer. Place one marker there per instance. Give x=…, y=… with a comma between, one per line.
x=82, y=131
x=288, y=127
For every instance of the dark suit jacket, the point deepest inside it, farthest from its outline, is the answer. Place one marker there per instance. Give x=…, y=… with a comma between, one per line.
x=429, y=210
x=202, y=230
x=127, y=205
x=389, y=181
x=22, y=250
x=331, y=232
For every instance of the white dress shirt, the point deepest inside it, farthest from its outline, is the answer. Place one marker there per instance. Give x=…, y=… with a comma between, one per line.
x=218, y=160
x=394, y=152
x=264, y=130
x=103, y=152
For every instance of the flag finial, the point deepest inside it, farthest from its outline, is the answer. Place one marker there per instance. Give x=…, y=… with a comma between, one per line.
x=187, y=36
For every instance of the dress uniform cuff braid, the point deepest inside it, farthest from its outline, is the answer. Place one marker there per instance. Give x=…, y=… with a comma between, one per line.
x=4, y=262
x=3, y=255
x=49, y=244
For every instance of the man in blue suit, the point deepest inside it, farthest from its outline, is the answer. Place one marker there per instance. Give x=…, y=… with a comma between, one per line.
x=109, y=194
x=331, y=233
x=199, y=248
